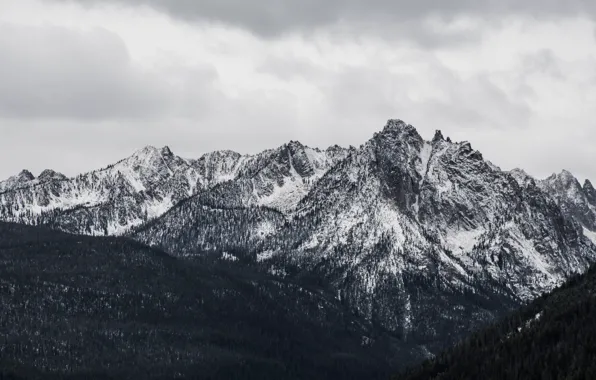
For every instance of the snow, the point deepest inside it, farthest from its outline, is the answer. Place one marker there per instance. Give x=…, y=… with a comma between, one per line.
x=319, y=160
x=425, y=155
x=228, y=256
x=285, y=198
x=529, y=323
x=279, y=272
x=462, y=241
x=590, y=235
x=266, y=255
x=132, y=178
x=264, y=229
x=156, y=207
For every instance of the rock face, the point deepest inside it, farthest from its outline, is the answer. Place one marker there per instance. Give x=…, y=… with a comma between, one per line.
x=425, y=238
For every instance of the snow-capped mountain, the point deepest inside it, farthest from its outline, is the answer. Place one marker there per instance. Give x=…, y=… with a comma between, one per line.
x=426, y=238
x=417, y=235
x=151, y=181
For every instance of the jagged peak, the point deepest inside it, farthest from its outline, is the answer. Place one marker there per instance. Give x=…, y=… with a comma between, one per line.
x=521, y=176
x=397, y=129
x=146, y=151
x=295, y=145
x=519, y=171
x=166, y=151
x=336, y=149
x=220, y=154
x=50, y=174
x=566, y=174
x=398, y=125
x=567, y=177
x=25, y=175
x=438, y=136
x=588, y=186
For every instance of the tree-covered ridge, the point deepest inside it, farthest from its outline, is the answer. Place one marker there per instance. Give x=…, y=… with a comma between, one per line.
x=87, y=307
x=552, y=338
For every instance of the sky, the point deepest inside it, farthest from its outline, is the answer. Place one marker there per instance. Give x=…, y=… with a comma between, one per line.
x=84, y=83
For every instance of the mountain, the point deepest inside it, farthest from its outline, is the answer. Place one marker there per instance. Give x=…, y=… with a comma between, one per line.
x=425, y=238
x=576, y=201
x=22, y=179
x=77, y=307
x=142, y=187
x=552, y=338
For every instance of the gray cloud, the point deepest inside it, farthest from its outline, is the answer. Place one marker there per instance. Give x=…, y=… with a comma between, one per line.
x=274, y=17
x=55, y=72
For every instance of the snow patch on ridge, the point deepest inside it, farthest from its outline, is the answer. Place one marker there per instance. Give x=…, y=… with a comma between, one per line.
x=461, y=241
x=285, y=198
x=590, y=235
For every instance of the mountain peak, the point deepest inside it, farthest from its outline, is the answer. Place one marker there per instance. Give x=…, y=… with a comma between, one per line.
x=398, y=130
x=25, y=175
x=166, y=151
x=295, y=145
x=566, y=174
x=521, y=176
x=564, y=177
x=17, y=180
x=438, y=136
x=49, y=174
x=399, y=126
x=149, y=149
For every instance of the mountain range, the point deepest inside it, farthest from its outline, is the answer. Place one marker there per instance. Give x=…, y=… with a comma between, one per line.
x=423, y=238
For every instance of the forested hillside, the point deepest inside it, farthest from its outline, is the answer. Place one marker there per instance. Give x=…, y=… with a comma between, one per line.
x=552, y=338
x=79, y=307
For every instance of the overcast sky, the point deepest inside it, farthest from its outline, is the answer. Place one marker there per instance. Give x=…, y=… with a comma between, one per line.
x=85, y=83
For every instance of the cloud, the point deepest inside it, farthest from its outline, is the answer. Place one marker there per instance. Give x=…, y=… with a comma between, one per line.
x=57, y=72
x=93, y=83
x=274, y=17
x=52, y=72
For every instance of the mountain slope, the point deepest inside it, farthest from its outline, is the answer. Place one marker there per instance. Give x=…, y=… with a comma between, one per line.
x=552, y=338
x=89, y=307
x=423, y=237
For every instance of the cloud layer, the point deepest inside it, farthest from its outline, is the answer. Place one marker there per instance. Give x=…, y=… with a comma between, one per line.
x=274, y=17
